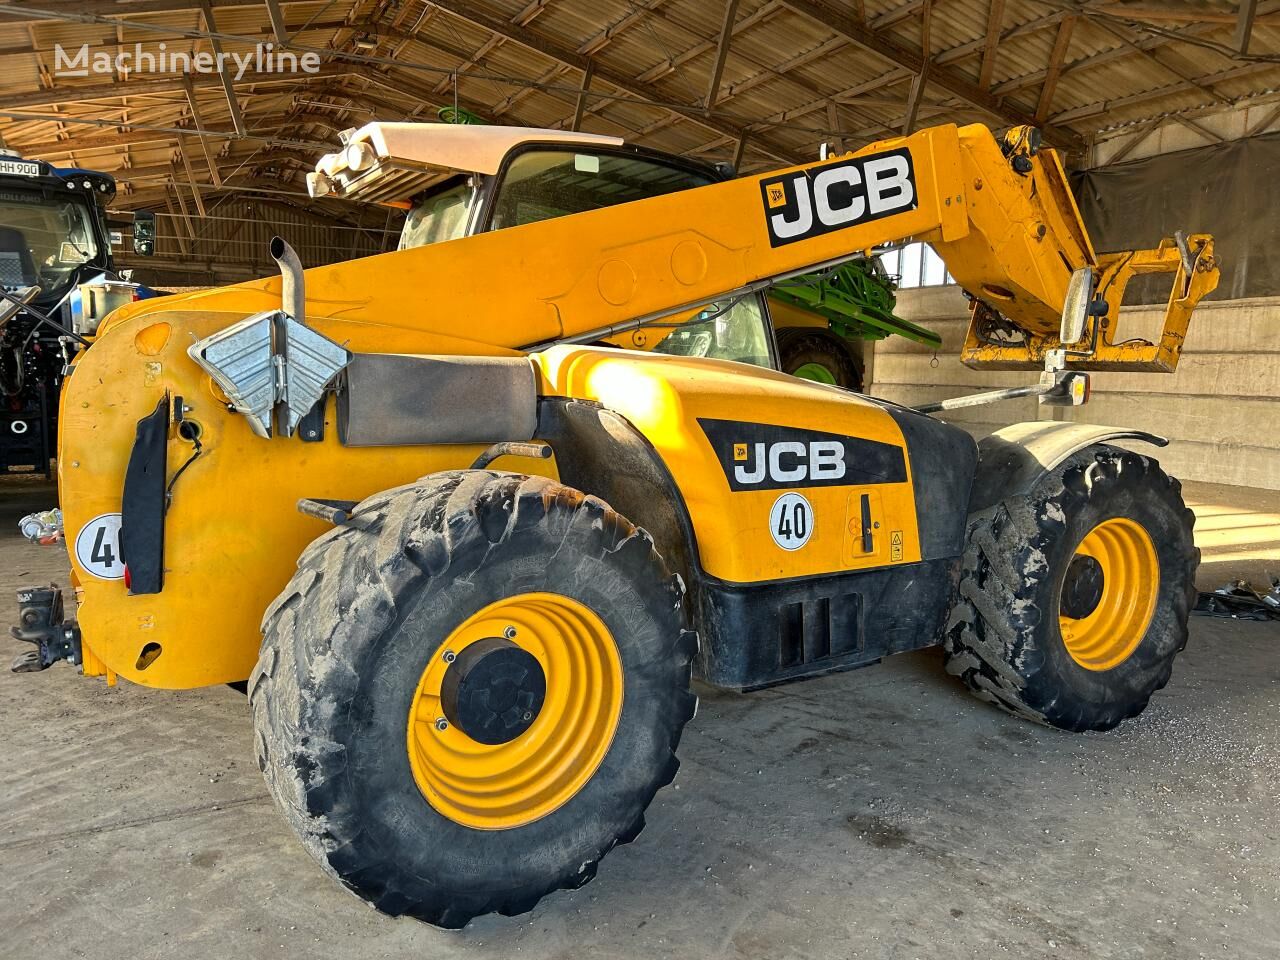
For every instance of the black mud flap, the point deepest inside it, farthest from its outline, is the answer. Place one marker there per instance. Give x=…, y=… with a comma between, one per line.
x=143, y=505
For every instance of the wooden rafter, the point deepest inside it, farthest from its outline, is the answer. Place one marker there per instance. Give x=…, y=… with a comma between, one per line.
x=1059, y=53
x=764, y=74
x=1244, y=24
x=919, y=81
x=995, y=18
x=233, y=104
x=722, y=53
x=278, y=28
x=1197, y=128
x=264, y=32
x=449, y=79
x=602, y=38
x=1126, y=37
x=191, y=177
x=1171, y=11
x=580, y=79
x=194, y=105
x=673, y=63
x=833, y=122
x=1136, y=140
x=580, y=107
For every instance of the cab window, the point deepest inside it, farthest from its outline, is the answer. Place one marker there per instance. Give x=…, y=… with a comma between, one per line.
x=726, y=330
x=543, y=184
x=439, y=215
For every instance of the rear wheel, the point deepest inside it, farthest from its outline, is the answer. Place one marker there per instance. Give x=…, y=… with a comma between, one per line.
x=819, y=356
x=1073, y=599
x=471, y=692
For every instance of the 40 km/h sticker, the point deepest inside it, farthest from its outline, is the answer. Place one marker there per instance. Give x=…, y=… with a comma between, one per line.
x=98, y=547
x=791, y=521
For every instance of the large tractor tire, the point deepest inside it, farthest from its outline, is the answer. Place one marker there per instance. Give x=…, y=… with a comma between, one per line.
x=816, y=355
x=469, y=693
x=1073, y=599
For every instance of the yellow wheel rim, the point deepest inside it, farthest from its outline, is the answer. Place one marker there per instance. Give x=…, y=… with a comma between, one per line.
x=505, y=785
x=1111, y=630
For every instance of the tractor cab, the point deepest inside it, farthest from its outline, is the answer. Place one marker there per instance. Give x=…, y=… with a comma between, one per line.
x=55, y=262
x=458, y=180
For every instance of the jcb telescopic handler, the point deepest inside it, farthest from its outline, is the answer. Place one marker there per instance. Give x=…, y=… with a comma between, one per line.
x=514, y=540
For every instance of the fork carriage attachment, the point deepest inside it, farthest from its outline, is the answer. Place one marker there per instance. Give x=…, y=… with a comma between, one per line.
x=1195, y=275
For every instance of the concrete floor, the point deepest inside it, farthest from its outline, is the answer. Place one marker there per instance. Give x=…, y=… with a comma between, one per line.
x=881, y=813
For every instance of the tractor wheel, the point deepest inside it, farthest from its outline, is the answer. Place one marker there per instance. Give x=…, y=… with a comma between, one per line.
x=819, y=356
x=469, y=693
x=1073, y=599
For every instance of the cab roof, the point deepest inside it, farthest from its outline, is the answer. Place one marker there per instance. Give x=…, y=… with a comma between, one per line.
x=389, y=162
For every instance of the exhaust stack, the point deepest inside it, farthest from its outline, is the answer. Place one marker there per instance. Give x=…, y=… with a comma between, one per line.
x=293, y=298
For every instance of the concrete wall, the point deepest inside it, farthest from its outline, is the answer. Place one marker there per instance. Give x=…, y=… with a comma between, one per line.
x=1221, y=409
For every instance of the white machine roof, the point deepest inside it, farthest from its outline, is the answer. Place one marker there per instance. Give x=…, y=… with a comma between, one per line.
x=383, y=162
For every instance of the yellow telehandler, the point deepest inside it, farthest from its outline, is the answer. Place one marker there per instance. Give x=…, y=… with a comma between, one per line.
x=467, y=551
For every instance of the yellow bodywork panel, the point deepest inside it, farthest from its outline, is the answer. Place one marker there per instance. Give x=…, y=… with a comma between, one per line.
x=668, y=399
x=232, y=532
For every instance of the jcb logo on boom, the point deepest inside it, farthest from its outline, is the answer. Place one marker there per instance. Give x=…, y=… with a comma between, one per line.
x=842, y=194
x=764, y=456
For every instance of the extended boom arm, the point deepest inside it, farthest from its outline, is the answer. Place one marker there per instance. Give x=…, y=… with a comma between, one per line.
x=999, y=213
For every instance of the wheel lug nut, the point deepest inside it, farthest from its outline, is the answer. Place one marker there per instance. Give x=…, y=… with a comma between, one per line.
x=442, y=724
x=450, y=656
x=509, y=632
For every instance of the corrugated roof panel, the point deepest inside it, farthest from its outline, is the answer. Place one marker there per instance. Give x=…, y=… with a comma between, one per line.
x=781, y=70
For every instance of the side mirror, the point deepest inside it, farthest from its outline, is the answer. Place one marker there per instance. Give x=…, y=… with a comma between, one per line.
x=144, y=233
x=1075, y=309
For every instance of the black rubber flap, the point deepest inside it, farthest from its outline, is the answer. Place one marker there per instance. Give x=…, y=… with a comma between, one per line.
x=142, y=510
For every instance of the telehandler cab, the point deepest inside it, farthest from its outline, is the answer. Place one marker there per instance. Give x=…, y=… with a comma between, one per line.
x=513, y=547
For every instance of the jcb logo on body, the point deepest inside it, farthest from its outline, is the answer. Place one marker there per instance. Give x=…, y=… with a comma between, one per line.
x=788, y=462
x=765, y=456
x=841, y=194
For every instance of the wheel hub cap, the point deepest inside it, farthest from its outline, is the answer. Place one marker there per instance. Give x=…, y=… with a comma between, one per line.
x=493, y=691
x=1082, y=589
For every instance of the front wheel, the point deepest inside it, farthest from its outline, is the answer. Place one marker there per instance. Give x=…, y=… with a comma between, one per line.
x=471, y=692
x=1073, y=599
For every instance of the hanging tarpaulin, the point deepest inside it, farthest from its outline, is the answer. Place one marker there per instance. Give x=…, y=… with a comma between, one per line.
x=1230, y=190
